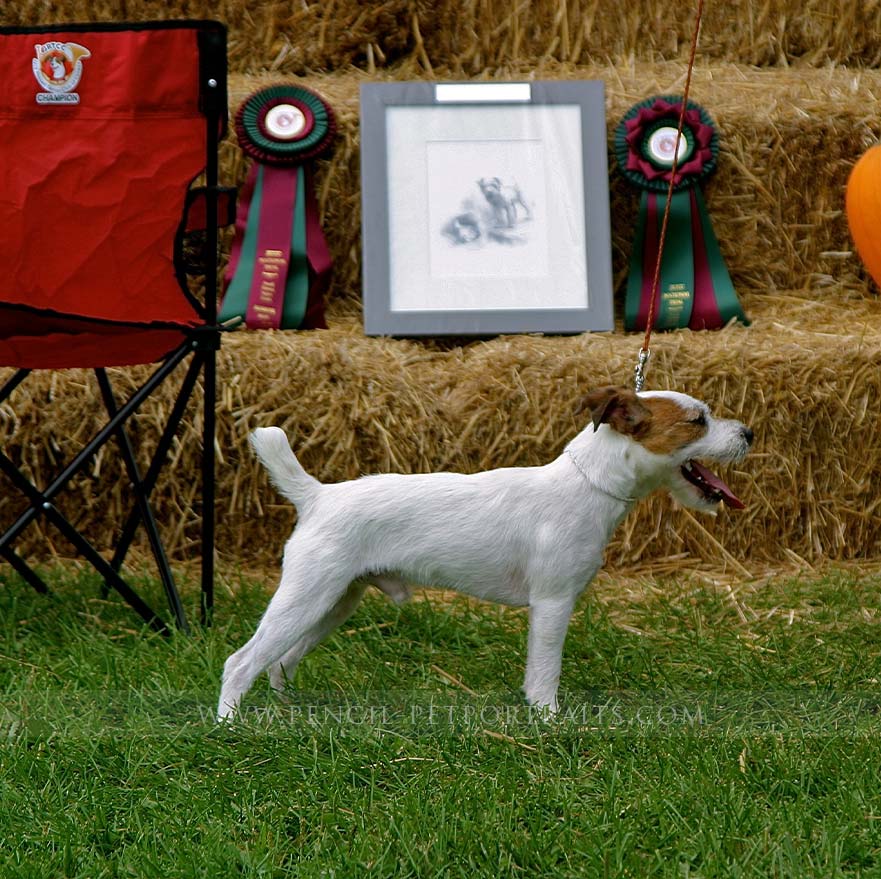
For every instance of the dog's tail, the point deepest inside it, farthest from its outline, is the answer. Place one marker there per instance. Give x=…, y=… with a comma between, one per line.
x=287, y=474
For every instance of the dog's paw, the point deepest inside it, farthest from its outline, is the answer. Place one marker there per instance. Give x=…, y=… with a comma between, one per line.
x=226, y=714
x=543, y=705
x=545, y=713
x=279, y=682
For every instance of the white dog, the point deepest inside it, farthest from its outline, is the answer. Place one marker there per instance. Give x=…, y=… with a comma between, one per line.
x=521, y=536
x=505, y=200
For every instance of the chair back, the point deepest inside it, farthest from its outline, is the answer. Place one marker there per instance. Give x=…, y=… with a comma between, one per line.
x=102, y=132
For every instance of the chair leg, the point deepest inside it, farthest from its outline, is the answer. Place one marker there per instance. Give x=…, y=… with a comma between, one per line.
x=208, y=492
x=15, y=380
x=142, y=502
x=204, y=359
x=6, y=551
x=129, y=530
x=21, y=567
x=89, y=450
x=41, y=503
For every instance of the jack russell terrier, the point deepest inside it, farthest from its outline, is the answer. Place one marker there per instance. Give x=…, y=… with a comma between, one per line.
x=517, y=535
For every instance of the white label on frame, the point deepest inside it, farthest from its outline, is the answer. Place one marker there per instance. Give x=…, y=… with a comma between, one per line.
x=475, y=92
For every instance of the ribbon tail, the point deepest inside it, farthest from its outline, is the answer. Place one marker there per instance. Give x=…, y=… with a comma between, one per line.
x=297, y=286
x=273, y=258
x=320, y=261
x=244, y=250
x=304, y=266
x=676, y=287
x=241, y=223
x=715, y=299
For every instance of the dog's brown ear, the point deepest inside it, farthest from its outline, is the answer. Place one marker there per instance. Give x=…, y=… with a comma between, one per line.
x=618, y=407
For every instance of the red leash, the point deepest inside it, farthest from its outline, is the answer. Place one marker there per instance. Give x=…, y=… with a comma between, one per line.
x=645, y=351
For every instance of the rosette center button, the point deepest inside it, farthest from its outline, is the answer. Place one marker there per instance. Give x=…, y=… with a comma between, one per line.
x=662, y=145
x=285, y=121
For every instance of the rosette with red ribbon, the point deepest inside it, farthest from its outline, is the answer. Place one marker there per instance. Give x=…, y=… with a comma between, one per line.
x=280, y=266
x=694, y=289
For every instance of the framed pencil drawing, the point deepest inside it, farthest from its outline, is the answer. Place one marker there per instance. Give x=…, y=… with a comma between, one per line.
x=485, y=208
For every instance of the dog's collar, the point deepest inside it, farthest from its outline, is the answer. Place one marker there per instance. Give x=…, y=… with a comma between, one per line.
x=593, y=485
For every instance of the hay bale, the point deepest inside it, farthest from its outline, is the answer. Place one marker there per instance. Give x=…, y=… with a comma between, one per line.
x=456, y=38
x=806, y=381
x=478, y=35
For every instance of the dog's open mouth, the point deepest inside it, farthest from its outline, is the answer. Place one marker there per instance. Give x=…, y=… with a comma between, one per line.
x=712, y=487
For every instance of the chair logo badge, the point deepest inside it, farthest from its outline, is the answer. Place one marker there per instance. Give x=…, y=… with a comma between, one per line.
x=58, y=68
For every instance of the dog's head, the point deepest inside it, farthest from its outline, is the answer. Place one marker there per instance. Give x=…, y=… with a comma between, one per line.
x=490, y=185
x=668, y=435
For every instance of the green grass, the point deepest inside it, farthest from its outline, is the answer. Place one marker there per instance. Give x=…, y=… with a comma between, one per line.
x=702, y=735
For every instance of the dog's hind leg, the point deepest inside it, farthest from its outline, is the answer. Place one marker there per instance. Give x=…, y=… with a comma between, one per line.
x=548, y=622
x=282, y=671
x=302, y=602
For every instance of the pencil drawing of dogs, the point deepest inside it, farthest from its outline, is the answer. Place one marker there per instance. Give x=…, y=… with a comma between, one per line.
x=520, y=536
x=505, y=201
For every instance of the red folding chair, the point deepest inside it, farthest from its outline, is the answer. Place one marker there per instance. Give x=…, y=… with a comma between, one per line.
x=105, y=130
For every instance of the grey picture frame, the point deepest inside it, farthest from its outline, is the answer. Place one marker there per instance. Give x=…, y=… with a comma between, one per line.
x=408, y=130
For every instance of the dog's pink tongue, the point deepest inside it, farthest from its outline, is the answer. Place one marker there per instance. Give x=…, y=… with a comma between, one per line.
x=710, y=478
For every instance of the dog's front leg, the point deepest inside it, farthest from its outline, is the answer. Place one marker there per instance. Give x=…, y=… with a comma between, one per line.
x=548, y=621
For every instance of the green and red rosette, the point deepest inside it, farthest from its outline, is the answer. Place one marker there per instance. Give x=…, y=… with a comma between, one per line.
x=280, y=266
x=694, y=289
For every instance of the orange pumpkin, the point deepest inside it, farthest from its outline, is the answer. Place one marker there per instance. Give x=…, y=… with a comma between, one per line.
x=863, y=207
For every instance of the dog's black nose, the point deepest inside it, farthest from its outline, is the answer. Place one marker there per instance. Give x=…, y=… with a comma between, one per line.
x=748, y=435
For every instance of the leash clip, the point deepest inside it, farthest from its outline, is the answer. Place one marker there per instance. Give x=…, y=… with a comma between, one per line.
x=639, y=371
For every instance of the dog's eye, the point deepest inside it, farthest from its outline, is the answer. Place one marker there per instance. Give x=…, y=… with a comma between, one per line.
x=700, y=420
